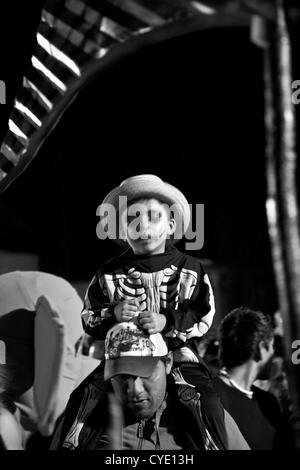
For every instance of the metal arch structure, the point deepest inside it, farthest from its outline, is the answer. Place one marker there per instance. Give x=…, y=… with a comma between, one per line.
x=78, y=39
x=75, y=41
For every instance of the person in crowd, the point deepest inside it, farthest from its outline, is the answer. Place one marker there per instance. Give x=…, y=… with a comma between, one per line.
x=278, y=383
x=246, y=352
x=155, y=285
x=144, y=403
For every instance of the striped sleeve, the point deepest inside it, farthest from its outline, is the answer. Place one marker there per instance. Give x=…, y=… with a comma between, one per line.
x=194, y=316
x=98, y=312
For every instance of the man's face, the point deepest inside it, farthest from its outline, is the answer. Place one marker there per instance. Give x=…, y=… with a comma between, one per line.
x=141, y=397
x=148, y=226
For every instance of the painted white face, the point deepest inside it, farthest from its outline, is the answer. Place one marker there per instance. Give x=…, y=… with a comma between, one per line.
x=148, y=226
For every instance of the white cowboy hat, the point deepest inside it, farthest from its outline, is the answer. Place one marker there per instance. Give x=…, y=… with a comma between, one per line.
x=150, y=186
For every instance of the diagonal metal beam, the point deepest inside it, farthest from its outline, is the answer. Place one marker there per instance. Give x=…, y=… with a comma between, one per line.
x=76, y=41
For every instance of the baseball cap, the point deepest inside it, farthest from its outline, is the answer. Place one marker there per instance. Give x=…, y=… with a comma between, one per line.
x=131, y=350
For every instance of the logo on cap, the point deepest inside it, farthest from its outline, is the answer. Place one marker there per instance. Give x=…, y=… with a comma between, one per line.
x=127, y=339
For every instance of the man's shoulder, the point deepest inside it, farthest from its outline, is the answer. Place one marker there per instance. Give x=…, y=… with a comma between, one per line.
x=265, y=397
x=10, y=430
x=236, y=440
x=6, y=418
x=231, y=398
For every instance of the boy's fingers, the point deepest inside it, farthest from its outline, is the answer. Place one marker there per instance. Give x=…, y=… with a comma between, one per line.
x=146, y=315
x=126, y=317
x=152, y=331
x=128, y=314
x=133, y=302
x=146, y=324
x=130, y=308
x=144, y=319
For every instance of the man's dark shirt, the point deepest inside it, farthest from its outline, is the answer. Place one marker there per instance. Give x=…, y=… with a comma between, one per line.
x=259, y=419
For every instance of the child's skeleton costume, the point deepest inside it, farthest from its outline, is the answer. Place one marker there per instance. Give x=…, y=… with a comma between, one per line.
x=171, y=283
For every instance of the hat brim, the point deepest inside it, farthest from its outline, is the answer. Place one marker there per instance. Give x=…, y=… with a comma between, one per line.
x=150, y=186
x=136, y=366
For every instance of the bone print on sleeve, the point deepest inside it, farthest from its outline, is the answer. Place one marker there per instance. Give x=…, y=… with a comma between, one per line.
x=131, y=287
x=98, y=312
x=191, y=315
x=104, y=292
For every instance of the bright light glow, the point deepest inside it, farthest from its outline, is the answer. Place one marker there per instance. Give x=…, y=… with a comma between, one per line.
x=57, y=54
x=28, y=84
x=2, y=175
x=16, y=130
x=9, y=154
x=39, y=66
x=292, y=206
x=203, y=8
x=271, y=210
x=27, y=112
x=101, y=53
x=114, y=30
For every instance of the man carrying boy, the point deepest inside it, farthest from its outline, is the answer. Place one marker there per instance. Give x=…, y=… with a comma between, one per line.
x=139, y=406
x=157, y=287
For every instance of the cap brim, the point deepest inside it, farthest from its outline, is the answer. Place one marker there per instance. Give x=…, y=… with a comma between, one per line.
x=136, y=366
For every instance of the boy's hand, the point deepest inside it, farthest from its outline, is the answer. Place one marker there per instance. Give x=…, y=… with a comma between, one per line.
x=152, y=322
x=126, y=310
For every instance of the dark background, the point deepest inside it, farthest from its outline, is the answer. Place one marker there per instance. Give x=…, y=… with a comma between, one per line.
x=190, y=110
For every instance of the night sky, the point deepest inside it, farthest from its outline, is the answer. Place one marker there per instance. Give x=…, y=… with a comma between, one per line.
x=190, y=110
